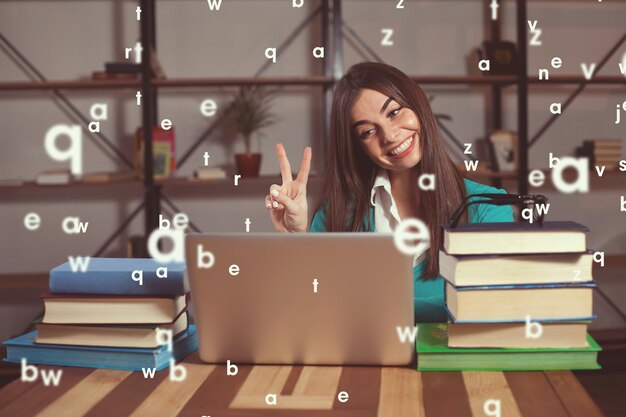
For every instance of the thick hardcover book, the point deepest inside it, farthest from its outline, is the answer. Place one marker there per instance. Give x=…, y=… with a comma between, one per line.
x=461, y=270
x=54, y=177
x=114, y=335
x=111, y=309
x=516, y=303
x=126, y=359
x=514, y=238
x=433, y=354
x=115, y=276
x=517, y=335
x=122, y=67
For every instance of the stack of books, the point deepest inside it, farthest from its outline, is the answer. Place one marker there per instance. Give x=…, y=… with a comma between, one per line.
x=209, y=173
x=602, y=152
x=108, y=316
x=519, y=297
x=54, y=177
x=126, y=70
x=118, y=71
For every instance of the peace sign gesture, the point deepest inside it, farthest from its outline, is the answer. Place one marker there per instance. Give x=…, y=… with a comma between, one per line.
x=287, y=202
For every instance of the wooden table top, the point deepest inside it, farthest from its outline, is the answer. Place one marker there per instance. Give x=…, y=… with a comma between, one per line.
x=300, y=391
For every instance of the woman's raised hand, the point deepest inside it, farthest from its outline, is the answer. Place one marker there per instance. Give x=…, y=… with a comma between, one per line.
x=287, y=202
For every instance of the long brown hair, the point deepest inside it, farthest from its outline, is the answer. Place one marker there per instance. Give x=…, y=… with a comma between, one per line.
x=350, y=173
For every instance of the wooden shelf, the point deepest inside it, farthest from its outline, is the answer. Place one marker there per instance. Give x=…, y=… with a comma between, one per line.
x=196, y=181
x=69, y=85
x=313, y=80
x=512, y=80
x=33, y=184
x=235, y=81
x=566, y=79
x=174, y=181
x=464, y=79
x=190, y=181
x=480, y=174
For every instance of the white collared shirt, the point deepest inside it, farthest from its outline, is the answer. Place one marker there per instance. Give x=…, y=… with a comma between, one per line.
x=386, y=216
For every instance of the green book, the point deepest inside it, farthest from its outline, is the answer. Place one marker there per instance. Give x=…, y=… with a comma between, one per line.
x=433, y=354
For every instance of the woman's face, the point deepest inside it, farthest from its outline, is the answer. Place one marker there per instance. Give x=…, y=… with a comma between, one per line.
x=388, y=132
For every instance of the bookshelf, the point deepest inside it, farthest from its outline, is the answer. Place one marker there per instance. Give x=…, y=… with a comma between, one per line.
x=609, y=179
x=331, y=35
x=68, y=85
x=154, y=191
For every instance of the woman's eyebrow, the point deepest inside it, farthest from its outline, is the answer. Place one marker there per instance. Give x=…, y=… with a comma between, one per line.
x=382, y=109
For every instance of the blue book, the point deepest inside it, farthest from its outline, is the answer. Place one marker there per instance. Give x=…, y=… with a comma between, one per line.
x=126, y=359
x=114, y=276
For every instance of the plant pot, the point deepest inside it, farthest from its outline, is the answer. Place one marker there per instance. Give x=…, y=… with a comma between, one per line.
x=248, y=164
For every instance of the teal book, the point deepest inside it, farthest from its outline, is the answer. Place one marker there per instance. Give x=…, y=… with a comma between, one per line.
x=433, y=354
x=126, y=359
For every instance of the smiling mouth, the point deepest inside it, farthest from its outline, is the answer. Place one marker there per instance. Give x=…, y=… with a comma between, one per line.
x=403, y=146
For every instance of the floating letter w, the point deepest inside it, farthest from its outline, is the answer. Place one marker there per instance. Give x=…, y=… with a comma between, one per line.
x=214, y=4
x=79, y=262
x=407, y=333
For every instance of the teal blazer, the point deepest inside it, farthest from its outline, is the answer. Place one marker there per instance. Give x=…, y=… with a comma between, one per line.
x=429, y=294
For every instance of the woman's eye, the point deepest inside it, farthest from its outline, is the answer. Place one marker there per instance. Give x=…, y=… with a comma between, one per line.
x=394, y=112
x=365, y=134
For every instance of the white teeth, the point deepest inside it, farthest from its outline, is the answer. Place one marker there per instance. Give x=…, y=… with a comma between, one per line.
x=403, y=146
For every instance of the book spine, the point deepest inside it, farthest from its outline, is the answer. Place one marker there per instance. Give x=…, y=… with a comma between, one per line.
x=116, y=283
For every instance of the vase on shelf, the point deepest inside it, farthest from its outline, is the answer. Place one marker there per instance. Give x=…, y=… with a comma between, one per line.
x=248, y=164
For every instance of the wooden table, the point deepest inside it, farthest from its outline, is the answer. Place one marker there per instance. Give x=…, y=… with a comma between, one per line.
x=301, y=391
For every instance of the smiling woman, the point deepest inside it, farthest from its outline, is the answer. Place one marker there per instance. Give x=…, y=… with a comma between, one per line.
x=397, y=125
x=383, y=136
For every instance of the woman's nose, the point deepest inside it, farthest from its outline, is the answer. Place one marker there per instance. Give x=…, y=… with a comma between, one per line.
x=392, y=134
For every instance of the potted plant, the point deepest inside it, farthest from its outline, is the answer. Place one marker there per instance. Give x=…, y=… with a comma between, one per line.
x=249, y=112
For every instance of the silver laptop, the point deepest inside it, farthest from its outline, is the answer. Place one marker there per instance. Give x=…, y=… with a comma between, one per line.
x=301, y=298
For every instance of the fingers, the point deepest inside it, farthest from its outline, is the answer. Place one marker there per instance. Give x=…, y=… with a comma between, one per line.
x=283, y=200
x=305, y=165
x=278, y=200
x=283, y=162
x=270, y=200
